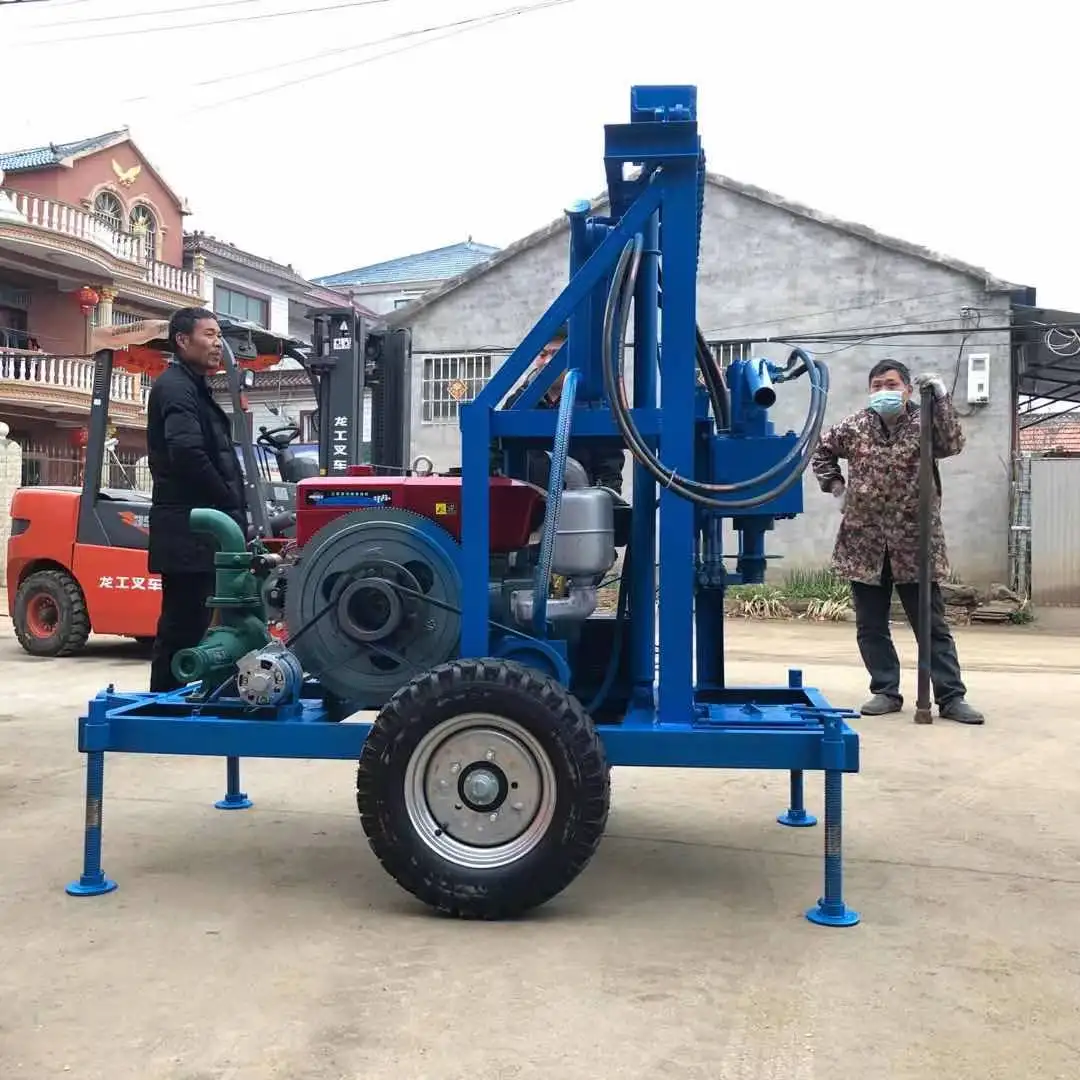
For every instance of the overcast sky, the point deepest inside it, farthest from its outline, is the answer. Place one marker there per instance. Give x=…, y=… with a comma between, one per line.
x=942, y=123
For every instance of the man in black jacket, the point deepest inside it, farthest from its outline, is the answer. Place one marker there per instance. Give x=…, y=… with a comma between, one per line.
x=193, y=464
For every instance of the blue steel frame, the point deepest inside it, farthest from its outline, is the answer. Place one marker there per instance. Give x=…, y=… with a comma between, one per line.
x=677, y=720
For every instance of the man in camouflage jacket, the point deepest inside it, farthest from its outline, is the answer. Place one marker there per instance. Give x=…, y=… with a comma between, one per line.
x=877, y=546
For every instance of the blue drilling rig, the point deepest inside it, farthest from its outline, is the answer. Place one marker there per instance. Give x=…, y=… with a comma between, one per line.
x=463, y=607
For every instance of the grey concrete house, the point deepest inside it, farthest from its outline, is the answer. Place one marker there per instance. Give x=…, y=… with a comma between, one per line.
x=771, y=268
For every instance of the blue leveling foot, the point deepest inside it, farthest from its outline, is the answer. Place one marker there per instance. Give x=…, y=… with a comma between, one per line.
x=234, y=802
x=91, y=886
x=796, y=819
x=834, y=915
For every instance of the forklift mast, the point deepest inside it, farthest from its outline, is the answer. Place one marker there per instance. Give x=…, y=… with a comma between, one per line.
x=349, y=356
x=91, y=528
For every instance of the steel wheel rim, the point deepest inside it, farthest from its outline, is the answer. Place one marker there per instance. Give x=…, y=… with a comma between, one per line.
x=437, y=796
x=42, y=616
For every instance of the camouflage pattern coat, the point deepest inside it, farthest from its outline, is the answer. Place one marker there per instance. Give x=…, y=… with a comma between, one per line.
x=881, y=504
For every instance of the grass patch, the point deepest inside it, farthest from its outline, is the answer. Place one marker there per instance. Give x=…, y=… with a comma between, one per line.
x=811, y=594
x=816, y=585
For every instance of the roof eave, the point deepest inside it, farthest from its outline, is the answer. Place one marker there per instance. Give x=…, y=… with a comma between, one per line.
x=198, y=244
x=990, y=282
x=503, y=255
x=904, y=247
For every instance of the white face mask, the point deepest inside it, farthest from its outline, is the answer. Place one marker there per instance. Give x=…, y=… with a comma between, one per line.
x=887, y=402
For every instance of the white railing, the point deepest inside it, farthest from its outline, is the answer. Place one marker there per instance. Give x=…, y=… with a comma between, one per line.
x=21, y=368
x=173, y=278
x=67, y=220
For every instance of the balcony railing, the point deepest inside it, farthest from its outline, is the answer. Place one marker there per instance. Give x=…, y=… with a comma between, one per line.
x=19, y=368
x=67, y=220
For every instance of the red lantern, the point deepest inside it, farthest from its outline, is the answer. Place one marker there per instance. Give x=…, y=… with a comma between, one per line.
x=79, y=438
x=88, y=300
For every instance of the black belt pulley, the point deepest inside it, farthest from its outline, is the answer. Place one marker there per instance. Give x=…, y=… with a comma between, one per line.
x=376, y=571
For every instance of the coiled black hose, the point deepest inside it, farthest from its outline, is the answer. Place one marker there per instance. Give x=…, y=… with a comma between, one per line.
x=622, y=288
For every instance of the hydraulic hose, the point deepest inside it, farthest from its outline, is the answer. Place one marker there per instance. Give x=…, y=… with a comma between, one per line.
x=711, y=372
x=619, y=294
x=715, y=383
x=556, y=474
x=807, y=437
x=612, y=668
x=811, y=428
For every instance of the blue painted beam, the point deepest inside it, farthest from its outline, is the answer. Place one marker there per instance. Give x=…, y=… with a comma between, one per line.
x=769, y=744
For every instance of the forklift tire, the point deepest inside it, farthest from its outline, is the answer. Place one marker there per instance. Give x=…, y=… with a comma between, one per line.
x=50, y=614
x=483, y=788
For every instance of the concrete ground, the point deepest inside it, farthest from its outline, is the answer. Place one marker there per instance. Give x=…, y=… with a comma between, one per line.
x=269, y=943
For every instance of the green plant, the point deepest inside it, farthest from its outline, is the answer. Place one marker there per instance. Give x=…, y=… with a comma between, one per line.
x=816, y=585
x=1022, y=615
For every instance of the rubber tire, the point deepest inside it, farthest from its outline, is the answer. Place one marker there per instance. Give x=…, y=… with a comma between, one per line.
x=74, y=625
x=550, y=713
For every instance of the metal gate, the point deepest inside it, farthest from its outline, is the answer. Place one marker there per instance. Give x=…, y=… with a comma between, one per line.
x=1055, y=530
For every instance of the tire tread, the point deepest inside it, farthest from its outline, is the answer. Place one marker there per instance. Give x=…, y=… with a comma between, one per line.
x=449, y=890
x=65, y=589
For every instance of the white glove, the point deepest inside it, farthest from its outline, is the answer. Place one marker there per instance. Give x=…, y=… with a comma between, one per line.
x=935, y=382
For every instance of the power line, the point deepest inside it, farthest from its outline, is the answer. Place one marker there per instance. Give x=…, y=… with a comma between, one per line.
x=475, y=24
x=207, y=25
x=868, y=305
x=144, y=14
x=342, y=49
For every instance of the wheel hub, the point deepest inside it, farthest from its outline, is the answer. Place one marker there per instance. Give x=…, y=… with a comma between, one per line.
x=480, y=790
x=42, y=616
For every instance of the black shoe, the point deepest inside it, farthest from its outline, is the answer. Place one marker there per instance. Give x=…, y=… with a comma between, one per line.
x=960, y=711
x=881, y=705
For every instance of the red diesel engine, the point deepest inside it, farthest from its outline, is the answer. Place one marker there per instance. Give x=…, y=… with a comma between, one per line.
x=516, y=507
x=373, y=590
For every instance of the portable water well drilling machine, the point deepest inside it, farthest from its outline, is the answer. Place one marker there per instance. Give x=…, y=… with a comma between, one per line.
x=483, y=782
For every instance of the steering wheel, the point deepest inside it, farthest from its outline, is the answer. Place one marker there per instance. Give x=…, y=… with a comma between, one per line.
x=278, y=438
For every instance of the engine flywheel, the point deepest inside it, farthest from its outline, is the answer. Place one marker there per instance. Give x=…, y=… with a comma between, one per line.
x=391, y=581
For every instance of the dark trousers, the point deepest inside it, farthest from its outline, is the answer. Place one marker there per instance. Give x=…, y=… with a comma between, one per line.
x=872, y=609
x=184, y=619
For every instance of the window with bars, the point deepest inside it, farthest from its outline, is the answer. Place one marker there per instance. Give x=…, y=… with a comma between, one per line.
x=450, y=381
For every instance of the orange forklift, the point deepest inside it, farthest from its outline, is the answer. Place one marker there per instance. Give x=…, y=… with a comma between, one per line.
x=77, y=556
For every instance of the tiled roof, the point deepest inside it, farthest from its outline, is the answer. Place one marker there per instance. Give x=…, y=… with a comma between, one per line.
x=42, y=157
x=438, y=264
x=1054, y=435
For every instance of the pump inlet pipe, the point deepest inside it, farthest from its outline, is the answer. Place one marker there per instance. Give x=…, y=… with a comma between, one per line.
x=926, y=507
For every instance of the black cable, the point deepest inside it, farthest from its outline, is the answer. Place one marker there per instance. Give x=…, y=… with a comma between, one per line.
x=364, y=61
x=340, y=50
x=310, y=623
x=788, y=339
x=837, y=310
x=711, y=372
x=345, y=5
x=622, y=286
x=154, y=11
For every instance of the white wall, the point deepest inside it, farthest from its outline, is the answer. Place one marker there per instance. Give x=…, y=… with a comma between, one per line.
x=277, y=302
x=10, y=479
x=382, y=300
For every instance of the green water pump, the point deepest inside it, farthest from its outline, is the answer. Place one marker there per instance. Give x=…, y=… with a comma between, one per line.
x=239, y=622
